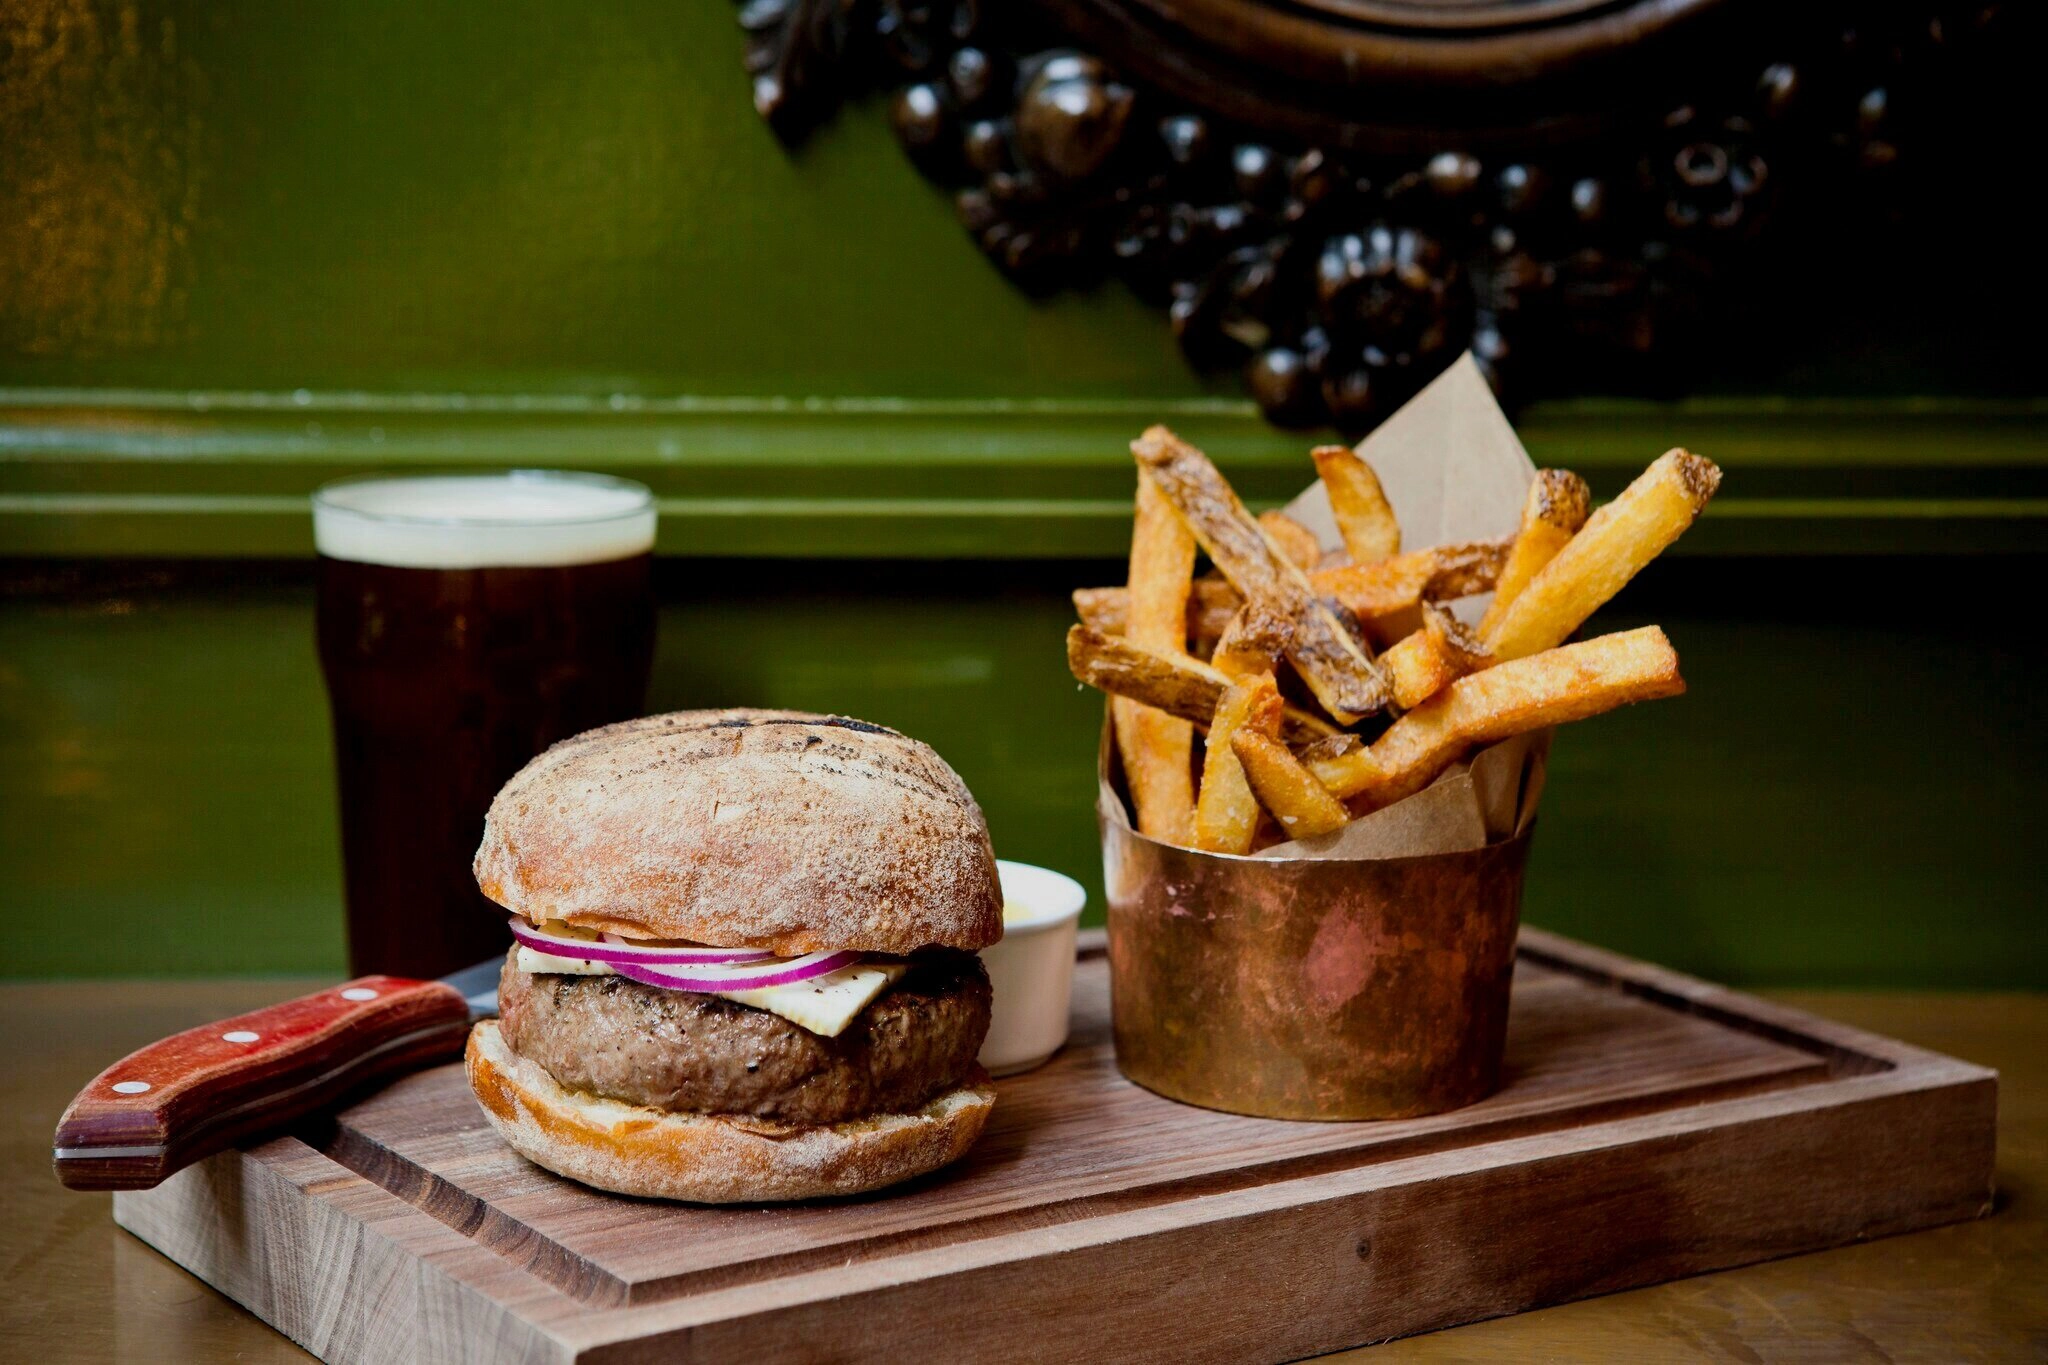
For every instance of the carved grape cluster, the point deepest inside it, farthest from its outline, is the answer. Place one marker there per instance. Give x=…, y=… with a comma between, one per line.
x=1339, y=285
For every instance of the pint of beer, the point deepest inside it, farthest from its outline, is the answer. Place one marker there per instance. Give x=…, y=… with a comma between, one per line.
x=466, y=622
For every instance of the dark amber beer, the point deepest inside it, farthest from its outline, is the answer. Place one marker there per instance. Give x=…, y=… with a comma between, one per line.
x=466, y=622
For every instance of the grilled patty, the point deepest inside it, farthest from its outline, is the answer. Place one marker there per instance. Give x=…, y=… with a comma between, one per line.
x=691, y=1053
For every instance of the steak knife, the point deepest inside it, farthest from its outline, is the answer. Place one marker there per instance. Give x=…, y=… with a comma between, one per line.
x=161, y=1108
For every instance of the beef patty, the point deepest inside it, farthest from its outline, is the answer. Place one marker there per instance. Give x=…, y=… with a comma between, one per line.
x=691, y=1053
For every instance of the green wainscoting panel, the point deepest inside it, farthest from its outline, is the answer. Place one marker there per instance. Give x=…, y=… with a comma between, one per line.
x=96, y=472
x=1848, y=795
x=164, y=777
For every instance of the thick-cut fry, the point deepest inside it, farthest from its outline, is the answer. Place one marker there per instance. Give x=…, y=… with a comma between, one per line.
x=1459, y=569
x=1212, y=606
x=1556, y=508
x=1442, y=573
x=1157, y=748
x=1227, y=815
x=1614, y=545
x=1364, y=516
x=1376, y=592
x=1559, y=685
x=1298, y=801
x=1382, y=596
x=1162, y=571
x=1178, y=685
x=1252, y=643
x=1158, y=758
x=1329, y=747
x=1333, y=664
x=1295, y=542
x=1429, y=660
x=1385, y=596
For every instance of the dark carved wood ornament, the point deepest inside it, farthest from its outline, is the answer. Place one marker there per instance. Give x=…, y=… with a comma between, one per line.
x=1339, y=196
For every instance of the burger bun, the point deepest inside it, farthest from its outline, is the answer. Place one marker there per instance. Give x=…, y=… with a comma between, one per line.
x=710, y=1158
x=780, y=830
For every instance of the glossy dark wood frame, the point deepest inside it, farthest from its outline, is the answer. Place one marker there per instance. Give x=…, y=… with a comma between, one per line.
x=1403, y=78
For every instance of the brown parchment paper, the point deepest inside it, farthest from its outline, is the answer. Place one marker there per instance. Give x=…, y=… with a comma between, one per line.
x=1449, y=461
x=1454, y=470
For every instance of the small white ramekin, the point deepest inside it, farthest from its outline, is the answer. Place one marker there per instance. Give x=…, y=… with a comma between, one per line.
x=1032, y=969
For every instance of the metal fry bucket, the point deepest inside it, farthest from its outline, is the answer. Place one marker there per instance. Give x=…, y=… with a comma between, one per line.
x=1311, y=988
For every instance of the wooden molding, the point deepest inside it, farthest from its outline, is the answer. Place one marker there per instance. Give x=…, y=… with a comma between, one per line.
x=87, y=473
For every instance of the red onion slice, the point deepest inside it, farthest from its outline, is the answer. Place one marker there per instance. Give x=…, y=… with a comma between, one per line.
x=612, y=954
x=747, y=978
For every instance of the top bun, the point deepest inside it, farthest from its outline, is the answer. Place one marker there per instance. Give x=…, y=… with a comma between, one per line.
x=779, y=830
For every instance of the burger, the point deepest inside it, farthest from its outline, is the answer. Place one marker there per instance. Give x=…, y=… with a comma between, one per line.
x=744, y=965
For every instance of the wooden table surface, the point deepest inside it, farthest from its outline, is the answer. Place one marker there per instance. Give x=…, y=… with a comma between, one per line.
x=75, y=1287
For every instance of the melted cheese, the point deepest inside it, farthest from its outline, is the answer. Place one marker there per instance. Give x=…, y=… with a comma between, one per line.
x=824, y=1005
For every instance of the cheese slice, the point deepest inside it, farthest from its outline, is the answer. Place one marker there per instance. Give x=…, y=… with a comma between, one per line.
x=824, y=1005
x=531, y=960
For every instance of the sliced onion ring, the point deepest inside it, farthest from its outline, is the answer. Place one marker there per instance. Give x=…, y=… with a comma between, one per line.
x=615, y=954
x=739, y=978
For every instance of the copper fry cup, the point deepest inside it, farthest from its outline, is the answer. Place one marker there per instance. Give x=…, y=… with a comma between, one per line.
x=1363, y=974
x=1314, y=987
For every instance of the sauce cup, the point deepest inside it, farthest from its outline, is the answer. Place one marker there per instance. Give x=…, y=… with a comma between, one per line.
x=1032, y=968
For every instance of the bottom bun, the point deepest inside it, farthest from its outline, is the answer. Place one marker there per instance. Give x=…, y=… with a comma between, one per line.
x=711, y=1158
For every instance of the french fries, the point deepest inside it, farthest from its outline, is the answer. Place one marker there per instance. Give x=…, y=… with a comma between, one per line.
x=1295, y=542
x=1301, y=804
x=1383, y=596
x=1559, y=685
x=1253, y=642
x=1158, y=748
x=1176, y=684
x=1440, y=651
x=1328, y=747
x=1613, y=546
x=1222, y=653
x=1557, y=506
x=1333, y=664
x=1227, y=816
x=1364, y=517
x=1386, y=597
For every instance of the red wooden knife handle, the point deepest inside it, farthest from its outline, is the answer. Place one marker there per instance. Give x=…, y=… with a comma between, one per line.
x=160, y=1109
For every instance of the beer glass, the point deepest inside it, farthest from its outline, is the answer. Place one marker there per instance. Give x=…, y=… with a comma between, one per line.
x=466, y=622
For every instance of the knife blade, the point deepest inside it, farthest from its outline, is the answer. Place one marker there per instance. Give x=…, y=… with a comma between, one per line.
x=164, y=1106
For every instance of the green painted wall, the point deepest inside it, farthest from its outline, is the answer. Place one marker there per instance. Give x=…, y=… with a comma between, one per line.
x=522, y=196
x=485, y=198
x=1846, y=796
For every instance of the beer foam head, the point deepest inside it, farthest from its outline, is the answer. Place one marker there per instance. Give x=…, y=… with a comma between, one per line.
x=525, y=518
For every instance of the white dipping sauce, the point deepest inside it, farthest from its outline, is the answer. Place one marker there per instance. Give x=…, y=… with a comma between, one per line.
x=1032, y=970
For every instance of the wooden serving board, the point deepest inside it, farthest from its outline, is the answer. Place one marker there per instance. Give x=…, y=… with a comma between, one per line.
x=1651, y=1126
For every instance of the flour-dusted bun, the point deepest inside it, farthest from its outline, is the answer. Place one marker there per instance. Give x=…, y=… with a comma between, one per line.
x=711, y=1159
x=749, y=829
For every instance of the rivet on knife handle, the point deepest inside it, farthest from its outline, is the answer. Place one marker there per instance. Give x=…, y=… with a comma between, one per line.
x=164, y=1107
